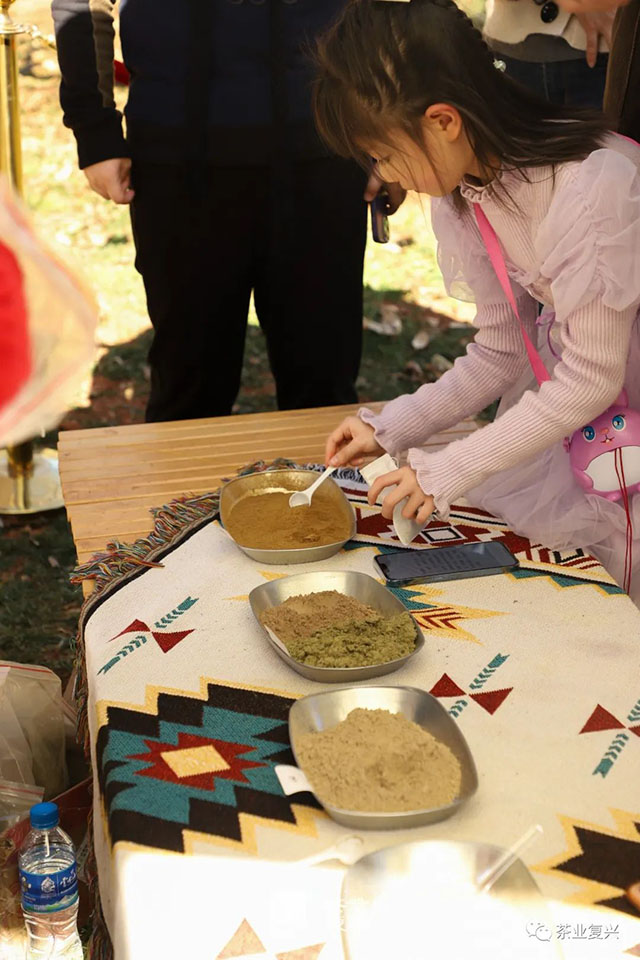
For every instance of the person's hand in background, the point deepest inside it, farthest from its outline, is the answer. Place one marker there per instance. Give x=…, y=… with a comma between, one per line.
x=596, y=24
x=111, y=179
x=591, y=6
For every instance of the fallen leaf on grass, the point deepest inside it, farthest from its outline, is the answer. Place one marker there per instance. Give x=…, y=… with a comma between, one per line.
x=421, y=340
x=390, y=323
x=413, y=369
x=440, y=364
x=53, y=562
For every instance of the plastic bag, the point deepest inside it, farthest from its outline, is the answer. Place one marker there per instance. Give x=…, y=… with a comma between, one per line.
x=16, y=799
x=59, y=343
x=32, y=727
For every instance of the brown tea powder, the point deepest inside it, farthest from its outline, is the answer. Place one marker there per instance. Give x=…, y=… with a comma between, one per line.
x=300, y=616
x=379, y=762
x=267, y=522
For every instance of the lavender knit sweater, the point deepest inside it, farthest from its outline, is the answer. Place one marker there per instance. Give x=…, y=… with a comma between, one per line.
x=571, y=239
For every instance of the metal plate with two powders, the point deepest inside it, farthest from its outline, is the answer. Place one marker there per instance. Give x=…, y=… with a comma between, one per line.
x=359, y=585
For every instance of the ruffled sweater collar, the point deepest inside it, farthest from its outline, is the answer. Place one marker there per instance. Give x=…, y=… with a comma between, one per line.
x=506, y=179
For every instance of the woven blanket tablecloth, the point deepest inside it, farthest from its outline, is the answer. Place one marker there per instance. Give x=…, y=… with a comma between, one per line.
x=199, y=852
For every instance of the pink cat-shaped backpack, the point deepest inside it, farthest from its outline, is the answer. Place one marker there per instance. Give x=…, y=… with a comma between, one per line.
x=593, y=452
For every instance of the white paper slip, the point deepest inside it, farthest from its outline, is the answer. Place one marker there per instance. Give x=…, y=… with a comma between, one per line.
x=292, y=779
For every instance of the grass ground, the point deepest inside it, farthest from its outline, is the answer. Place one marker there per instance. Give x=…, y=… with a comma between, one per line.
x=39, y=607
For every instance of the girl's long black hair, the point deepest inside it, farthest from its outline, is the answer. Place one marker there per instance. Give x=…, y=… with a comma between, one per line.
x=385, y=62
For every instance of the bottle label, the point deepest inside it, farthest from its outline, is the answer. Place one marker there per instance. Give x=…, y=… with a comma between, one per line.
x=45, y=893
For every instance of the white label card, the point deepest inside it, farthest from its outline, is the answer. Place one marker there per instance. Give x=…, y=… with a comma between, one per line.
x=292, y=779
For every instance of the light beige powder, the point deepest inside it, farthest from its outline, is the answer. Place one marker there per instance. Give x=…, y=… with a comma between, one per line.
x=379, y=762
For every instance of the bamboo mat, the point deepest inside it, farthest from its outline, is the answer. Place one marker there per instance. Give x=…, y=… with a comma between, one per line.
x=113, y=476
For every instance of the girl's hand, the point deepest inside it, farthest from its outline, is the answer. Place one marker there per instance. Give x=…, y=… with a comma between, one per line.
x=420, y=505
x=350, y=443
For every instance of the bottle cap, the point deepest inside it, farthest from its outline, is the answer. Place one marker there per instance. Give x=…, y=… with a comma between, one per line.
x=44, y=816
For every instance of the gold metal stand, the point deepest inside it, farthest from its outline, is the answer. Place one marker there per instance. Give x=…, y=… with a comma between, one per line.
x=29, y=482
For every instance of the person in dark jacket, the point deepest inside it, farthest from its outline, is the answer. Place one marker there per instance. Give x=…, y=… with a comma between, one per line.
x=231, y=191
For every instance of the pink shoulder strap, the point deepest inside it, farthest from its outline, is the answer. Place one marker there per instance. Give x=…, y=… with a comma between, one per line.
x=496, y=256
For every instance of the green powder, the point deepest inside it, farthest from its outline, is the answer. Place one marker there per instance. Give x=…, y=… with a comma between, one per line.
x=356, y=643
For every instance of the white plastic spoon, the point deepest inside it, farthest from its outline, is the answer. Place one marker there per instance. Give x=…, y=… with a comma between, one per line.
x=489, y=876
x=302, y=498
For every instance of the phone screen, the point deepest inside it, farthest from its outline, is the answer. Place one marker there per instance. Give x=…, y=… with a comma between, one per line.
x=445, y=563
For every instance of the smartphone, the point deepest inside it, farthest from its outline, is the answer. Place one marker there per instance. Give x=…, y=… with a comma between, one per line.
x=404, y=567
x=380, y=217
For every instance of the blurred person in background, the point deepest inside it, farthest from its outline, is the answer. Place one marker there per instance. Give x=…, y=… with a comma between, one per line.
x=622, y=96
x=622, y=93
x=231, y=191
x=556, y=53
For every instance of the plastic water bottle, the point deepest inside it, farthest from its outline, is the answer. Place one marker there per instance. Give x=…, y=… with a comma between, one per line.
x=49, y=886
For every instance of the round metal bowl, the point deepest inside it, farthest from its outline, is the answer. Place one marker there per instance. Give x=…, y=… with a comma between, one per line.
x=422, y=900
x=285, y=481
x=358, y=585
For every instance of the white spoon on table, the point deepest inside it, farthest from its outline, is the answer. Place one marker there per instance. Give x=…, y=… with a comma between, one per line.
x=302, y=498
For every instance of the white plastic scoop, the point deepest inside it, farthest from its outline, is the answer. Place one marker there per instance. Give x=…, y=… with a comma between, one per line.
x=302, y=498
x=489, y=876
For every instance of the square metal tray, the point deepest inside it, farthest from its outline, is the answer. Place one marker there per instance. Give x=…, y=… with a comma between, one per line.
x=358, y=585
x=322, y=710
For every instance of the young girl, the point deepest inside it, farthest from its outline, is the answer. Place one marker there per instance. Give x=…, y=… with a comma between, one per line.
x=413, y=85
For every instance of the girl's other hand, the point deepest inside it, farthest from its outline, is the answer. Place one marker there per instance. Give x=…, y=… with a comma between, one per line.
x=419, y=506
x=350, y=443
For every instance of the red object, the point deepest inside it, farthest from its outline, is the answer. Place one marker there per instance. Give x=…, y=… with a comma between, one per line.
x=15, y=348
x=121, y=73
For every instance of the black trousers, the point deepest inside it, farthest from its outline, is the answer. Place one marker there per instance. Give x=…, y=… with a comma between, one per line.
x=565, y=82
x=202, y=251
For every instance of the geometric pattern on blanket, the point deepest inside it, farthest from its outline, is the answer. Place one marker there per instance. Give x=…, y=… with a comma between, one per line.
x=604, y=861
x=203, y=765
x=568, y=568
